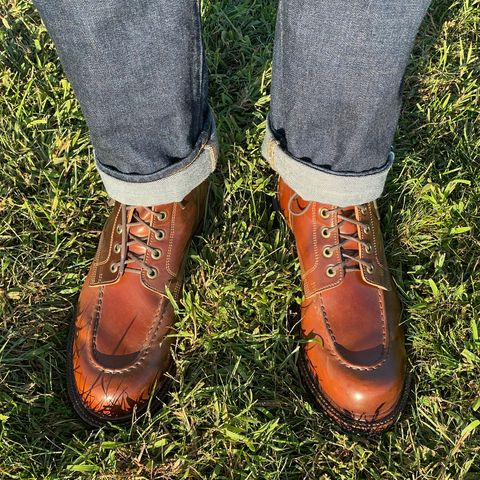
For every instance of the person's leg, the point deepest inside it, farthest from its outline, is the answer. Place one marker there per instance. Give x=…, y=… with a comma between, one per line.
x=139, y=73
x=336, y=91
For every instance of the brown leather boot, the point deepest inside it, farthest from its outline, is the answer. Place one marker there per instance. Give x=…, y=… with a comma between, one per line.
x=353, y=355
x=118, y=358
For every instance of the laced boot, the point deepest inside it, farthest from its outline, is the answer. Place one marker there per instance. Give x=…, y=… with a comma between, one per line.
x=353, y=355
x=118, y=356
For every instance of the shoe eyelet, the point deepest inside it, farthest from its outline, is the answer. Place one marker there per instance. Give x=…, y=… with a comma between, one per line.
x=113, y=267
x=370, y=268
x=159, y=234
x=366, y=229
x=156, y=254
x=327, y=252
x=330, y=271
x=162, y=216
x=152, y=273
x=323, y=212
x=325, y=232
x=119, y=229
x=117, y=248
x=368, y=248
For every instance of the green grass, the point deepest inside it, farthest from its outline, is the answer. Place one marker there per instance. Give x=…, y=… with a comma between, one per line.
x=237, y=409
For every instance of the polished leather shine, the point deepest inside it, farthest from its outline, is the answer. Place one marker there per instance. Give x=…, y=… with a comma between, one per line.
x=120, y=344
x=353, y=355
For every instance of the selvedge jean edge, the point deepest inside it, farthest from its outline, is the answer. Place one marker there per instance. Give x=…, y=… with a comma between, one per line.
x=317, y=184
x=180, y=180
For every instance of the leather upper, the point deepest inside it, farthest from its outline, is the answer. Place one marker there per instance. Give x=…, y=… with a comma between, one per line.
x=352, y=339
x=121, y=348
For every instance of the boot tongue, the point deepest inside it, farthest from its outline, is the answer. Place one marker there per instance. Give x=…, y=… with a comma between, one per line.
x=140, y=231
x=350, y=247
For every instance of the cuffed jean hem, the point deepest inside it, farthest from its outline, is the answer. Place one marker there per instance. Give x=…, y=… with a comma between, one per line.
x=317, y=184
x=174, y=187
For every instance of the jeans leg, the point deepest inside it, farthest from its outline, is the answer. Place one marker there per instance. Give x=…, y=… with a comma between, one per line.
x=138, y=71
x=336, y=94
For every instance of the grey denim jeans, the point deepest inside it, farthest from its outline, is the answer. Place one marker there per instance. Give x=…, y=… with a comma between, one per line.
x=138, y=71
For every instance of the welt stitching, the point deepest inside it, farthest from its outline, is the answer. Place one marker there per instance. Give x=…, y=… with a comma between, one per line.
x=96, y=263
x=111, y=240
x=146, y=282
x=98, y=307
x=384, y=323
x=170, y=240
x=315, y=246
x=374, y=236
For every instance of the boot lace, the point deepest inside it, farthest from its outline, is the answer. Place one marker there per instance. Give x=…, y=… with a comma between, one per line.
x=129, y=257
x=350, y=258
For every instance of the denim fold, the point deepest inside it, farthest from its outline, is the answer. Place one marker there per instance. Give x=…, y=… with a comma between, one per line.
x=139, y=73
x=336, y=94
x=170, y=184
x=318, y=184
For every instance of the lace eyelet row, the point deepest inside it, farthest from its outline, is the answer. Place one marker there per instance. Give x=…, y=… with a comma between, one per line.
x=156, y=253
x=327, y=252
x=330, y=271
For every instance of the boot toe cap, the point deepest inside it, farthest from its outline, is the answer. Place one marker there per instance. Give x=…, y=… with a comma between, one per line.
x=366, y=399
